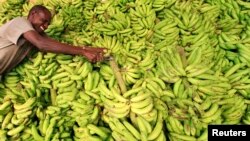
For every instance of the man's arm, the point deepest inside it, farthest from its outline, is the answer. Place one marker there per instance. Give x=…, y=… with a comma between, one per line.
x=50, y=45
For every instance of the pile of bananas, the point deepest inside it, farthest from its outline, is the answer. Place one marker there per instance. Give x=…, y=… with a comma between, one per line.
x=184, y=63
x=10, y=9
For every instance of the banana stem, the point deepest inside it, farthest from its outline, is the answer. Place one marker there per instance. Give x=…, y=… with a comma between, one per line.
x=183, y=56
x=53, y=96
x=118, y=75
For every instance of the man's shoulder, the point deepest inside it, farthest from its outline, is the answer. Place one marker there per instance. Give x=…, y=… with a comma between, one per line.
x=20, y=22
x=20, y=19
x=17, y=20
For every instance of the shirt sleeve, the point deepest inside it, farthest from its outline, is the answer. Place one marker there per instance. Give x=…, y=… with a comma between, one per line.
x=16, y=28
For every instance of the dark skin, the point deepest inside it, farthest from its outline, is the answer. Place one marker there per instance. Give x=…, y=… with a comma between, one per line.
x=40, y=20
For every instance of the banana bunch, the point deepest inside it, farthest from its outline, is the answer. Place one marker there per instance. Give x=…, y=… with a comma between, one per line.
x=174, y=126
x=135, y=45
x=15, y=120
x=32, y=80
x=27, y=7
x=142, y=130
x=82, y=69
x=170, y=66
x=238, y=77
x=244, y=93
x=150, y=131
x=5, y=107
x=224, y=59
x=228, y=23
x=242, y=50
x=11, y=80
x=120, y=22
x=160, y=106
x=186, y=129
x=37, y=66
x=72, y=17
x=179, y=89
x=67, y=38
x=155, y=85
x=130, y=74
x=233, y=114
x=88, y=14
x=51, y=111
x=65, y=96
x=10, y=9
x=92, y=132
x=112, y=43
x=180, y=108
x=210, y=84
x=51, y=5
x=159, y=5
x=75, y=3
x=40, y=112
x=92, y=81
x=231, y=55
x=123, y=130
x=115, y=104
x=74, y=72
x=142, y=20
x=184, y=18
x=81, y=39
x=102, y=6
x=84, y=111
x=228, y=40
x=56, y=27
x=193, y=70
x=90, y=4
x=165, y=31
x=129, y=58
x=211, y=112
x=141, y=2
x=46, y=127
x=25, y=109
x=210, y=11
x=142, y=103
x=148, y=60
x=106, y=72
x=118, y=28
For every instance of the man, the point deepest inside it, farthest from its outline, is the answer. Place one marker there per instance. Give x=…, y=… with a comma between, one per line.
x=19, y=35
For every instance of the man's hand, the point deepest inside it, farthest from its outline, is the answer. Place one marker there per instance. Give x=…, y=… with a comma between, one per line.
x=94, y=54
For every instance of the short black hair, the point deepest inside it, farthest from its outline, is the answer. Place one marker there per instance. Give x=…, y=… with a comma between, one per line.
x=38, y=8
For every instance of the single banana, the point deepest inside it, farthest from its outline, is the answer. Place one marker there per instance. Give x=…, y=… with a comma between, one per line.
x=132, y=129
x=97, y=130
x=157, y=129
x=28, y=103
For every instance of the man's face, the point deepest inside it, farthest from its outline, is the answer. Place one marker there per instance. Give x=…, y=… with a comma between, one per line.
x=40, y=20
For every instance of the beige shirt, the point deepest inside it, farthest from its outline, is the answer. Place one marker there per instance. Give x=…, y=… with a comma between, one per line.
x=13, y=47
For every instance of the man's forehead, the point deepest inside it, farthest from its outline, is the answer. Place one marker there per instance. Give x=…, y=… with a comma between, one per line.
x=45, y=13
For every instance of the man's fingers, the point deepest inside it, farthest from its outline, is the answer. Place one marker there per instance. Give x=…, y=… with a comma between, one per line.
x=95, y=56
x=99, y=57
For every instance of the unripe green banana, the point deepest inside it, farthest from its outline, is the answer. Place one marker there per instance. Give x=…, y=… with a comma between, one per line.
x=157, y=130
x=132, y=129
x=35, y=133
x=97, y=130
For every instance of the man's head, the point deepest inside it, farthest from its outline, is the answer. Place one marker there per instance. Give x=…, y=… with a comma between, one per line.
x=40, y=18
